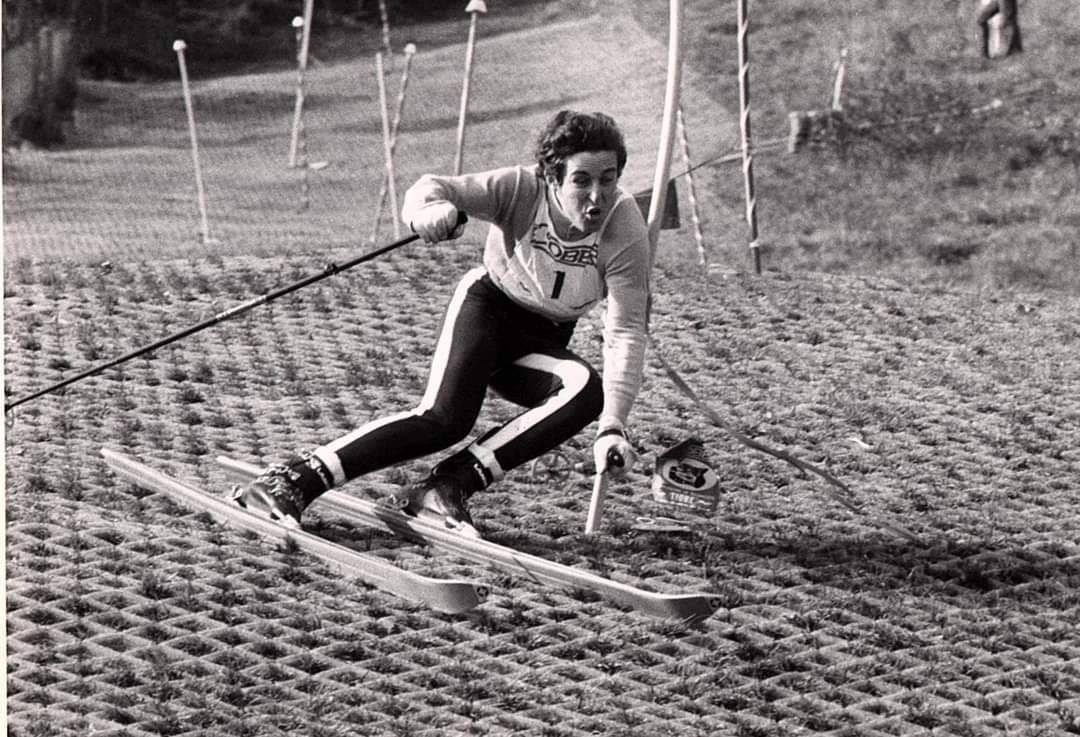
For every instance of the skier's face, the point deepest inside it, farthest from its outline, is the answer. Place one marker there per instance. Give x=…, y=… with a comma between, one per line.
x=587, y=191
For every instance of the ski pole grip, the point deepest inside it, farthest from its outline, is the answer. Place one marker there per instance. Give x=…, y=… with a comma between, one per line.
x=615, y=459
x=462, y=218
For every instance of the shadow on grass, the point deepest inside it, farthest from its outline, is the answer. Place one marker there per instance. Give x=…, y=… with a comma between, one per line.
x=963, y=573
x=1007, y=568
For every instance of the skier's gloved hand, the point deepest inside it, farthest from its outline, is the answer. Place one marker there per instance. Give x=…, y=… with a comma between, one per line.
x=438, y=221
x=613, y=453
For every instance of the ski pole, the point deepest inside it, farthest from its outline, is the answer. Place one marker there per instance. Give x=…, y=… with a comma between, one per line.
x=841, y=493
x=599, y=491
x=239, y=309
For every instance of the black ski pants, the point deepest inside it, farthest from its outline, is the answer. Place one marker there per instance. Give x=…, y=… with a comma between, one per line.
x=487, y=341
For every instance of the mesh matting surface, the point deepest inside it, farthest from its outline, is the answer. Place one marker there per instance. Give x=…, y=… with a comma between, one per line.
x=128, y=615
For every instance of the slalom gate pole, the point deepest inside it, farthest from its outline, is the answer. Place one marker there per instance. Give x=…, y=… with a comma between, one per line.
x=744, y=129
x=388, y=146
x=384, y=19
x=695, y=215
x=672, y=89
x=304, y=29
x=838, y=81
x=239, y=309
x=474, y=9
x=654, y=220
x=410, y=51
x=178, y=47
x=300, y=135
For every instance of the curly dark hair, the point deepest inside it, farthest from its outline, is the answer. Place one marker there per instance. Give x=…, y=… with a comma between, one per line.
x=571, y=132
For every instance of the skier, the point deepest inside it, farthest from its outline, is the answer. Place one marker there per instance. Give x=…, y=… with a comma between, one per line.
x=563, y=235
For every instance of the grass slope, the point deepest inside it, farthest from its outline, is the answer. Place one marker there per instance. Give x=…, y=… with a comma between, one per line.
x=135, y=154
x=923, y=191
x=947, y=409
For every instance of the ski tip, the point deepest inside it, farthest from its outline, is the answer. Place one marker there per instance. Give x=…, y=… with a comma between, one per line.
x=461, y=596
x=715, y=605
x=695, y=608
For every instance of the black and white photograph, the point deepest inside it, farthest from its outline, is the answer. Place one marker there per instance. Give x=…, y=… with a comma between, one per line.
x=554, y=368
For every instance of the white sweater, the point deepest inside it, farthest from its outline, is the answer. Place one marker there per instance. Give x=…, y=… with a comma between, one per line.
x=556, y=277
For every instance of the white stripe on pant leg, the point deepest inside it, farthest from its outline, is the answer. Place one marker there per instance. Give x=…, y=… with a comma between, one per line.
x=443, y=347
x=328, y=453
x=575, y=377
x=487, y=460
x=333, y=464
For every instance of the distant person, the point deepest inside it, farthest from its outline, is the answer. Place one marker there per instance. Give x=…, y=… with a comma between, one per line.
x=563, y=236
x=999, y=27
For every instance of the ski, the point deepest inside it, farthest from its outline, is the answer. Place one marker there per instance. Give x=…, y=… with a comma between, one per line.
x=444, y=595
x=692, y=607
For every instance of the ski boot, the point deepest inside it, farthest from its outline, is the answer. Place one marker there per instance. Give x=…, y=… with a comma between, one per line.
x=283, y=491
x=443, y=496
